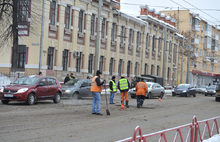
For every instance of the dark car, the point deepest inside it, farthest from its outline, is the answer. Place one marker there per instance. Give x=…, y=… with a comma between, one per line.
x=210, y=90
x=184, y=90
x=77, y=88
x=31, y=89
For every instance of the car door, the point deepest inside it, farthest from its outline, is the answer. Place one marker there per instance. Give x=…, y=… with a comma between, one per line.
x=192, y=90
x=82, y=88
x=154, y=90
x=52, y=87
x=159, y=89
x=89, y=88
x=42, y=90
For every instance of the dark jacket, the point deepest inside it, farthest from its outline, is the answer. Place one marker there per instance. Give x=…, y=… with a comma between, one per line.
x=97, y=80
x=66, y=80
x=126, y=89
x=111, y=84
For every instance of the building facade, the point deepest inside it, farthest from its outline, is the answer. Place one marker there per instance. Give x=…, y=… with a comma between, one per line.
x=129, y=46
x=205, y=48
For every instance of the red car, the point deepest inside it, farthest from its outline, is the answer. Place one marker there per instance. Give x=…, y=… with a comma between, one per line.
x=31, y=89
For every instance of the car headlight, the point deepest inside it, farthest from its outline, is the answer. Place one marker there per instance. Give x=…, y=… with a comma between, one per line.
x=67, y=91
x=172, y=90
x=2, y=90
x=205, y=91
x=184, y=91
x=22, y=90
x=214, y=91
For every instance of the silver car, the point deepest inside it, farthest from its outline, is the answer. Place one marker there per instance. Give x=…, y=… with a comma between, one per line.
x=154, y=90
x=201, y=89
x=77, y=88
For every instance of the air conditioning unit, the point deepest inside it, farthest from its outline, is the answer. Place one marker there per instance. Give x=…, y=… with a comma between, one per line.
x=76, y=53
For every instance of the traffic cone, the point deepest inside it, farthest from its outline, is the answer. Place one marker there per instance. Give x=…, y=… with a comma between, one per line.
x=122, y=106
x=159, y=99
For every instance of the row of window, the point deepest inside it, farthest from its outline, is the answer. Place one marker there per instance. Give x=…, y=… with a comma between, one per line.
x=204, y=66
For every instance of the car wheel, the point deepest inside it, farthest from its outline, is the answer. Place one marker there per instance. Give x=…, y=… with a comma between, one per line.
x=173, y=94
x=211, y=94
x=205, y=94
x=187, y=94
x=76, y=96
x=5, y=101
x=149, y=96
x=194, y=95
x=57, y=98
x=161, y=95
x=31, y=99
x=133, y=96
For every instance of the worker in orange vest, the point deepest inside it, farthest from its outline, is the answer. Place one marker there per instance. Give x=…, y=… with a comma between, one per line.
x=96, y=89
x=141, y=89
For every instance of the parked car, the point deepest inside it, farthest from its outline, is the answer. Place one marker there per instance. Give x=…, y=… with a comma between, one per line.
x=201, y=89
x=184, y=90
x=210, y=90
x=77, y=88
x=154, y=90
x=31, y=89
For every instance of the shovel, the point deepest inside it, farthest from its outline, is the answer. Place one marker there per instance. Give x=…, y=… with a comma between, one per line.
x=107, y=111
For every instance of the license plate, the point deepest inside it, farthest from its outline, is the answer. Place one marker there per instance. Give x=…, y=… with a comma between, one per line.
x=177, y=92
x=8, y=95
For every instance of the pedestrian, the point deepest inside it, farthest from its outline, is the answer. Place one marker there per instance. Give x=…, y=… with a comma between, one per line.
x=40, y=73
x=71, y=76
x=67, y=78
x=123, y=86
x=112, y=89
x=96, y=89
x=87, y=77
x=141, y=89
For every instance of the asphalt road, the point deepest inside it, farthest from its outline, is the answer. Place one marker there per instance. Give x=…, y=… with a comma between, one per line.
x=71, y=120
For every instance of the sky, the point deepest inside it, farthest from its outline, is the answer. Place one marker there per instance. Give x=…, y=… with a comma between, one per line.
x=212, y=15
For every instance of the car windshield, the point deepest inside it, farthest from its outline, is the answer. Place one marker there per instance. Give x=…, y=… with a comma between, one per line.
x=212, y=87
x=149, y=85
x=73, y=82
x=182, y=86
x=26, y=81
x=202, y=86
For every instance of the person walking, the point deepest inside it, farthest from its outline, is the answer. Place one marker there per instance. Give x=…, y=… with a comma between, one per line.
x=40, y=73
x=96, y=89
x=67, y=78
x=123, y=86
x=112, y=89
x=141, y=89
x=71, y=76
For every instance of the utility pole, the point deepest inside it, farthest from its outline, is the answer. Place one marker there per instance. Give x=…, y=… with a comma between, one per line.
x=164, y=54
x=181, y=79
x=42, y=36
x=15, y=36
x=97, y=38
x=189, y=46
x=178, y=18
x=178, y=65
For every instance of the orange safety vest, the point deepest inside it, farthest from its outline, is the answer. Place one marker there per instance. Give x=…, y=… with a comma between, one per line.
x=94, y=86
x=141, y=88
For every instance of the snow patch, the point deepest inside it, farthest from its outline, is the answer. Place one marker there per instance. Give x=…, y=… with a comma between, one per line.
x=215, y=138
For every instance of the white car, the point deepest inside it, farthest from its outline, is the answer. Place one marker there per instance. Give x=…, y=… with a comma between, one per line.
x=201, y=89
x=154, y=90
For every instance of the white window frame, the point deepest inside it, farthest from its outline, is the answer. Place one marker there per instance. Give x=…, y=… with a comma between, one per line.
x=122, y=34
x=130, y=37
x=70, y=10
x=138, y=39
x=83, y=16
x=113, y=31
x=93, y=26
x=103, y=33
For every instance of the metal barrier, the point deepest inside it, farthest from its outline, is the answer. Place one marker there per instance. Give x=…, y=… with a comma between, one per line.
x=192, y=135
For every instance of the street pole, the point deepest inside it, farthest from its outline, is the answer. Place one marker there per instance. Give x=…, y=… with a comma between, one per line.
x=42, y=36
x=189, y=46
x=97, y=38
x=164, y=55
x=181, y=79
x=15, y=36
x=178, y=65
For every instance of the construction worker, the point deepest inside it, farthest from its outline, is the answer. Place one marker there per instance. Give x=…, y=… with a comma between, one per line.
x=123, y=86
x=112, y=89
x=67, y=78
x=141, y=89
x=96, y=89
x=71, y=76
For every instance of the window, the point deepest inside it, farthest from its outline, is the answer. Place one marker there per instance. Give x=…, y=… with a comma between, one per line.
x=43, y=82
x=101, y=63
x=190, y=21
x=51, y=81
x=202, y=28
x=201, y=39
x=111, y=66
x=197, y=50
x=168, y=73
x=122, y=34
x=67, y=17
x=53, y=12
x=136, y=69
x=158, y=70
x=192, y=63
x=90, y=63
x=50, y=58
x=128, y=68
x=78, y=63
x=120, y=67
x=24, y=10
x=204, y=53
x=145, y=69
x=197, y=36
x=21, y=56
x=200, y=52
x=113, y=31
x=80, y=21
x=152, y=70
x=65, y=59
x=92, y=29
x=147, y=41
x=103, y=28
x=203, y=66
x=130, y=37
x=138, y=39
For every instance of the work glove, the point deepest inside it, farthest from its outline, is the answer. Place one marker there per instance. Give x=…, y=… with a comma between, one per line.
x=104, y=81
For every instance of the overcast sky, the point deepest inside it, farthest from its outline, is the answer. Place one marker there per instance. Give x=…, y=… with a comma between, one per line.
x=134, y=9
